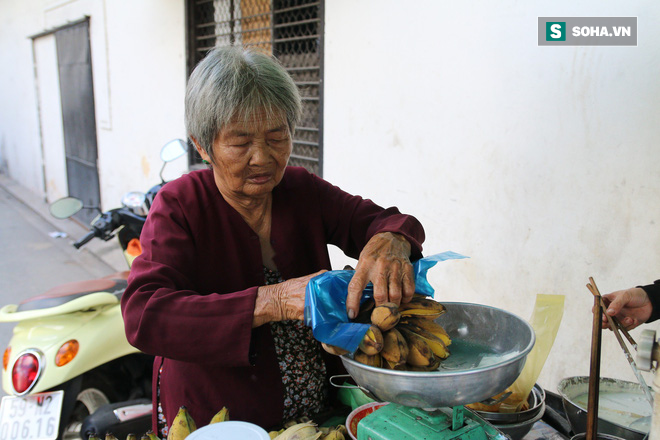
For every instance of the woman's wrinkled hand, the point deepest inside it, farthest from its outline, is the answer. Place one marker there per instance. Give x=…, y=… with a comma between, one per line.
x=385, y=262
x=631, y=307
x=282, y=301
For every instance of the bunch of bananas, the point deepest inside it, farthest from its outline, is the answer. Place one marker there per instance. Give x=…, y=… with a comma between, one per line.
x=404, y=337
x=182, y=425
x=307, y=430
x=110, y=436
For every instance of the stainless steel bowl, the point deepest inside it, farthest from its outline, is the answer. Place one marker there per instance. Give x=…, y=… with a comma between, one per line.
x=519, y=429
x=618, y=394
x=488, y=351
x=599, y=436
x=536, y=400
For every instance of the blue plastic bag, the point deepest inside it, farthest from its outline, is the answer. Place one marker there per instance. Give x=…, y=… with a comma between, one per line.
x=325, y=302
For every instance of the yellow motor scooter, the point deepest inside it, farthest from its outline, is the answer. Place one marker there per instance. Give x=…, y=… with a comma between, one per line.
x=68, y=368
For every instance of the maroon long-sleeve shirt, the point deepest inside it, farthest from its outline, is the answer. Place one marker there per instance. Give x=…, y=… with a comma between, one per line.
x=191, y=294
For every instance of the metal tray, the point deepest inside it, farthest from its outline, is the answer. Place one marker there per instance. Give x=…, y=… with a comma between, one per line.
x=488, y=351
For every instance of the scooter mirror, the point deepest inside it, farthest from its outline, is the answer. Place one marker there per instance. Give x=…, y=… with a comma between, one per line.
x=65, y=207
x=173, y=150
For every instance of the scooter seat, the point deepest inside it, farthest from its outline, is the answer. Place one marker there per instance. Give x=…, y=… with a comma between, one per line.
x=62, y=294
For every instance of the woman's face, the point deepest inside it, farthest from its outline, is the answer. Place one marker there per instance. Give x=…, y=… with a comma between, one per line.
x=250, y=156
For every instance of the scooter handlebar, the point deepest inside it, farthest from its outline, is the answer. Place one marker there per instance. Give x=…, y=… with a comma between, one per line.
x=83, y=241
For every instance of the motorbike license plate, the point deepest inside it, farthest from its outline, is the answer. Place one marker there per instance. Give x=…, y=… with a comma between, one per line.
x=36, y=416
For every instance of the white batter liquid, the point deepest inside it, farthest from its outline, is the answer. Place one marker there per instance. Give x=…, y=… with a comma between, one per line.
x=620, y=407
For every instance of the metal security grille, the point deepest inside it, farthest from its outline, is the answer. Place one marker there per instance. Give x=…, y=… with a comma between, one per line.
x=292, y=30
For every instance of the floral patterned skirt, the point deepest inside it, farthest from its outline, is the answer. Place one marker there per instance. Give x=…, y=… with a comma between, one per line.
x=301, y=367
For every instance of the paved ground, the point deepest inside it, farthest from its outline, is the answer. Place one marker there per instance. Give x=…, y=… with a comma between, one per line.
x=32, y=261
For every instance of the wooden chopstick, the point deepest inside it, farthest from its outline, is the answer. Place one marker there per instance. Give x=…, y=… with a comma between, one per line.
x=594, y=374
x=594, y=290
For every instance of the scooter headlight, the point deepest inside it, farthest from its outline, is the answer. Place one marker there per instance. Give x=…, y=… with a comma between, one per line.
x=26, y=371
x=137, y=202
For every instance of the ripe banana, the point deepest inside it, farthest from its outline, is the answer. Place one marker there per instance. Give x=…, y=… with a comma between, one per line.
x=371, y=360
x=131, y=437
x=419, y=352
x=182, y=425
x=395, y=347
x=152, y=435
x=342, y=429
x=430, y=367
x=385, y=316
x=333, y=435
x=430, y=326
x=372, y=343
x=220, y=416
x=434, y=342
x=300, y=431
x=333, y=349
x=392, y=366
x=422, y=307
x=110, y=436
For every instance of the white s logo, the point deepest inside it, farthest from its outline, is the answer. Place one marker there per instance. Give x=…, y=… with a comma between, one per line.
x=555, y=30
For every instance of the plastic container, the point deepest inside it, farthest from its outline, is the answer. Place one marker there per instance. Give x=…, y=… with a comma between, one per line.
x=358, y=414
x=231, y=430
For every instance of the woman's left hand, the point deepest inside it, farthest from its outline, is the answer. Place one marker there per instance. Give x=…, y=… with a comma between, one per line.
x=385, y=261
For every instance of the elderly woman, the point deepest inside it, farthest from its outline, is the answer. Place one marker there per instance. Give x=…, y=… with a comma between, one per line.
x=218, y=292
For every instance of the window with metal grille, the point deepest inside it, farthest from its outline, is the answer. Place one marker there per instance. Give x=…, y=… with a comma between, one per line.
x=292, y=30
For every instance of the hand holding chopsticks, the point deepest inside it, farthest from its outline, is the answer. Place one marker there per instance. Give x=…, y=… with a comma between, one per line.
x=632, y=307
x=614, y=323
x=616, y=327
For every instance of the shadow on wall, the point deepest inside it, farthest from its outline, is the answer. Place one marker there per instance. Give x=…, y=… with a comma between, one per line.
x=4, y=168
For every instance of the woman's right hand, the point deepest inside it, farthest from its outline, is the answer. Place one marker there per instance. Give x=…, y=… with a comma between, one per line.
x=631, y=307
x=282, y=301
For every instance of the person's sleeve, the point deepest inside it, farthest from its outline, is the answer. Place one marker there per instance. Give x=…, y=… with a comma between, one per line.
x=350, y=221
x=162, y=317
x=653, y=292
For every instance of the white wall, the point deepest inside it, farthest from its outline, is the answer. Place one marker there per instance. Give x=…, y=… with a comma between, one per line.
x=146, y=46
x=139, y=74
x=540, y=163
x=20, y=151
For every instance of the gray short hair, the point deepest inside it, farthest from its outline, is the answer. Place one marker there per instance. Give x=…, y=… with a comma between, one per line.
x=237, y=82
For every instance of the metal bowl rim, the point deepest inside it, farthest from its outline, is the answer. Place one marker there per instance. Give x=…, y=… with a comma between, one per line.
x=539, y=399
x=436, y=373
x=531, y=421
x=565, y=398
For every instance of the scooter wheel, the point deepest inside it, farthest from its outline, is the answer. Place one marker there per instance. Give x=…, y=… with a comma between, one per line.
x=94, y=393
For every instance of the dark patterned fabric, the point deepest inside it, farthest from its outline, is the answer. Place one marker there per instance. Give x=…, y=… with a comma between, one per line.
x=301, y=365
